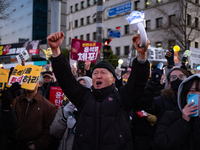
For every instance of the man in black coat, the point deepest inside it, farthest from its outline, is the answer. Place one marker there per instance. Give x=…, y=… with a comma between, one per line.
x=102, y=124
x=8, y=119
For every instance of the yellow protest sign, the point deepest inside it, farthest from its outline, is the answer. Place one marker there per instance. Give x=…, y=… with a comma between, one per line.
x=47, y=52
x=27, y=76
x=4, y=73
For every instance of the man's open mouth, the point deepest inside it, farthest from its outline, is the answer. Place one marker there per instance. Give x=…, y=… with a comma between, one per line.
x=98, y=82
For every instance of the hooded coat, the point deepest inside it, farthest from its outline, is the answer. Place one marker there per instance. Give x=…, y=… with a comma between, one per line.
x=175, y=133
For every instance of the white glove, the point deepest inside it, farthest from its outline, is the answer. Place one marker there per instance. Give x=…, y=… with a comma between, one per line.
x=68, y=110
x=118, y=72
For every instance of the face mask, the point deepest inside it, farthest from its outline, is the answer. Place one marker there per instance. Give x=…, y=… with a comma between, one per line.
x=175, y=84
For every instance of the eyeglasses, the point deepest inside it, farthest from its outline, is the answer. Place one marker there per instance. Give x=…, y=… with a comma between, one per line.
x=181, y=77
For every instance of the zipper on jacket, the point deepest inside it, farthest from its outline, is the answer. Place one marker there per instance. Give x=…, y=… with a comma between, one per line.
x=24, y=118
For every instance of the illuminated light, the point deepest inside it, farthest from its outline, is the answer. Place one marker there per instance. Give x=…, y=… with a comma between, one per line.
x=176, y=48
x=120, y=61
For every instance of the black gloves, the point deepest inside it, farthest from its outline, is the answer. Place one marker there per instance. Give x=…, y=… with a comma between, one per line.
x=14, y=88
x=156, y=76
x=8, y=95
x=6, y=99
x=170, y=58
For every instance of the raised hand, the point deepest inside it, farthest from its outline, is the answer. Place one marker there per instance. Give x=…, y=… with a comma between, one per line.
x=187, y=111
x=141, y=51
x=55, y=40
x=87, y=64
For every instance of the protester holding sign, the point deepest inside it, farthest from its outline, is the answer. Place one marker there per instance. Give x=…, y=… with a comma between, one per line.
x=102, y=123
x=34, y=115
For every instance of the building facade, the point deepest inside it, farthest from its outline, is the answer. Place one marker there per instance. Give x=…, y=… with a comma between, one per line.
x=159, y=15
x=30, y=20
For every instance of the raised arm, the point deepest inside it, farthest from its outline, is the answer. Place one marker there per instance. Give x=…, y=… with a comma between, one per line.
x=132, y=91
x=62, y=70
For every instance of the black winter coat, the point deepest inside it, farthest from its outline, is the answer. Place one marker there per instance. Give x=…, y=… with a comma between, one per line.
x=102, y=124
x=8, y=123
x=174, y=133
x=156, y=105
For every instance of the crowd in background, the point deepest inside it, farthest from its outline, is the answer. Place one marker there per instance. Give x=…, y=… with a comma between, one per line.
x=106, y=108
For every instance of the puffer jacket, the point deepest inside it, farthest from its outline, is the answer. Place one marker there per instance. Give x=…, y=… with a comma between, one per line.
x=175, y=133
x=102, y=124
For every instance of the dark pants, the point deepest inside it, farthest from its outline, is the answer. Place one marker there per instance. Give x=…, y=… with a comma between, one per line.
x=142, y=142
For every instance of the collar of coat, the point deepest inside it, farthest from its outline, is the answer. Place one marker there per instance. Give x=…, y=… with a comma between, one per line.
x=37, y=97
x=101, y=94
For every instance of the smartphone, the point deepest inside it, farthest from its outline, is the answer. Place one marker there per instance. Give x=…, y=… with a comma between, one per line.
x=194, y=98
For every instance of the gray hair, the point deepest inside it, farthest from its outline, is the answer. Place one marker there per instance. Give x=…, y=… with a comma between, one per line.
x=40, y=79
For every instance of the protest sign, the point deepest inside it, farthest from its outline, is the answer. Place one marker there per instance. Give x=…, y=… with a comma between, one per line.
x=56, y=96
x=48, y=53
x=156, y=54
x=81, y=50
x=194, y=57
x=4, y=73
x=27, y=76
x=22, y=56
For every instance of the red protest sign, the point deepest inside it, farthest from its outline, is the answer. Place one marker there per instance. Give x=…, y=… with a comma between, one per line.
x=81, y=50
x=56, y=96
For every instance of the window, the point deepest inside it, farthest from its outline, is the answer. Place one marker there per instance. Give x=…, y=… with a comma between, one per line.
x=76, y=7
x=88, y=19
x=137, y=5
x=197, y=1
x=95, y=20
x=69, y=41
x=82, y=4
x=196, y=44
x=126, y=50
x=158, y=22
x=117, y=51
x=81, y=37
x=147, y=3
x=82, y=21
x=88, y=37
x=188, y=20
x=76, y=23
x=94, y=36
x=159, y=1
x=171, y=44
x=95, y=1
x=148, y=24
x=196, y=22
x=88, y=2
x=71, y=9
x=159, y=44
x=171, y=20
x=126, y=29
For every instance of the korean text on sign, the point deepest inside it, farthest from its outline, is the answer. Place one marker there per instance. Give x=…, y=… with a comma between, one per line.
x=82, y=50
x=27, y=76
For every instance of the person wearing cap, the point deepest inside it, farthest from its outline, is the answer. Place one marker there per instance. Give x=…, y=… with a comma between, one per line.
x=102, y=123
x=47, y=76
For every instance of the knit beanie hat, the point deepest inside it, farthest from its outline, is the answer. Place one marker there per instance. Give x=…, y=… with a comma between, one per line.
x=106, y=65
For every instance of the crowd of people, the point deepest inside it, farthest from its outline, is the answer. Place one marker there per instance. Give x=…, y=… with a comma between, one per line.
x=106, y=109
